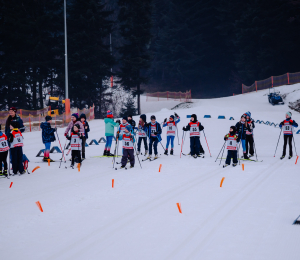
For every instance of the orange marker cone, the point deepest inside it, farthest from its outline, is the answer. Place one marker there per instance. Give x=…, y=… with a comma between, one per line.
x=221, y=183
x=297, y=159
x=37, y=167
x=48, y=162
x=39, y=205
x=160, y=167
x=243, y=166
x=78, y=166
x=11, y=184
x=113, y=183
x=179, y=207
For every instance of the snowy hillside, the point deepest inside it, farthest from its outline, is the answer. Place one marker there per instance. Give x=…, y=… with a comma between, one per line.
x=250, y=217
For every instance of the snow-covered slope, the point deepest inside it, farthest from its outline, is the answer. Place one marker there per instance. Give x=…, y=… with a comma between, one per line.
x=250, y=217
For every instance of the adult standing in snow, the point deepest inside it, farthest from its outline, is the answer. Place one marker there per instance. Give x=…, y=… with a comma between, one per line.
x=47, y=137
x=287, y=127
x=241, y=128
x=13, y=117
x=109, y=132
x=74, y=120
x=249, y=135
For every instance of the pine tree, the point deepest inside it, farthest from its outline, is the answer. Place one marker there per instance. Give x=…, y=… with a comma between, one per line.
x=129, y=107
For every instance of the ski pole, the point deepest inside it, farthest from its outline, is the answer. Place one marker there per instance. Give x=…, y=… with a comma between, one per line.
x=63, y=155
x=137, y=156
x=295, y=145
x=59, y=142
x=117, y=138
x=182, y=142
x=238, y=151
x=254, y=146
x=9, y=161
x=206, y=142
x=162, y=145
x=278, y=142
x=220, y=151
x=222, y=154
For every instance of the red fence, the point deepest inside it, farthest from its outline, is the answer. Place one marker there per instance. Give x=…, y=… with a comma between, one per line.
x=33, y=118
x=168, y=95
x=274, y=81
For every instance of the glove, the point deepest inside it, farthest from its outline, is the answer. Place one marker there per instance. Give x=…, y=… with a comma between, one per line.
x=118, y=133
x=165, y=120
x=227, y=135
x=291, y=122
x=282, y=123
x=66, y=134
x=118, y=121
x=184, y=129
x=68, y=137
x=176, y=115
x=148, y=124
x=155, y=133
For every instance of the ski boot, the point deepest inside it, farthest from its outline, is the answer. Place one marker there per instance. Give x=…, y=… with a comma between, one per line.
x=195, y=156
x=166, y=152
x=72, y=166
x=105, y=153
x=290, y=156
x=171, y=152
x=45, y=159
x=246, y=156
x=225, y=165
x=234, y=164
x=156, y=156
x=109, y=154
x=122, y=167
x=282, y=157
x=21, y=173
x=146, y=152
x=149, y=156
x=131, y=166
x=251, y=155
x=138, y=152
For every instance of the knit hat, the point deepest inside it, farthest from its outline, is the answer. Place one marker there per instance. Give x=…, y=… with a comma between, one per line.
x=77, y=125
x=125, y=118
x=128, y=127
x=130, y=116
x=14, y=124
x=248, y=113
x=194, y=116
x=243, y=116
x=75, y=115
x=152, y=117
x=143, y=117
x=13, y=109
x=48, y=118
x=83, y=116
x=233, y=129
x=109, y=114
x=289, y=114
x=172, y=116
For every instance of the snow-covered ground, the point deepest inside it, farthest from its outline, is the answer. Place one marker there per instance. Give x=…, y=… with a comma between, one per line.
x=250, y=217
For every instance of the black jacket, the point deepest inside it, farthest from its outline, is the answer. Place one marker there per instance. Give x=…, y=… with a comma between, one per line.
x=188, y=127
x=132, y=123
x=241, y=130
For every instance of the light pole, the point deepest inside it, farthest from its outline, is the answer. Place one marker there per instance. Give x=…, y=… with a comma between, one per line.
x=67, y=100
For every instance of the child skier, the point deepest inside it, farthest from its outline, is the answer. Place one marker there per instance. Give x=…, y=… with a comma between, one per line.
x=154, y=134
x=131, y=121
x=122, y=127
x=128, y=151
x=3, y=153
x=142, y=133
x=249, y=135
x=16, y=143
x=241, y=128
x=231, y=146
x=86, y=130
x=47, y=137
x=171, y=131
x=109, y=132
x=76, y=143
x=194, y=127
x=287, y=127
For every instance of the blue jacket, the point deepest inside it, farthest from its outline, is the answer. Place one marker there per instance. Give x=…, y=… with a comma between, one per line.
x=142, y=128
x=17, y=119
x=47, y=133
x=158, y=130
x=292, y=123
x=85, y=123
x=241, y=130
x=176, y=122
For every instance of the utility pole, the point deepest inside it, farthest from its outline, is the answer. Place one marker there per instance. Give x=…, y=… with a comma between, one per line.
x=67, y=100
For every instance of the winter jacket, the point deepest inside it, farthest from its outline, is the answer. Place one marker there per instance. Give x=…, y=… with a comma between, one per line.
x=158, y=130
x=109, y=126
x=142, y=129
x=251, y=126
x=16, y=118
x=86, y=124
x=47, y=132
x=70, y=127
x=188, y=127
x=292, y=123
x=177, y=120
x=132, y=123
x=241, y=130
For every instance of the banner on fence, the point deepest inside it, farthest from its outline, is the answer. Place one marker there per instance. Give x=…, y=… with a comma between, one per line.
x=274, y=81
x=168, y=95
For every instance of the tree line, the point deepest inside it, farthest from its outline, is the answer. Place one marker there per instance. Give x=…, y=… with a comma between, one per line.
x=210, y=47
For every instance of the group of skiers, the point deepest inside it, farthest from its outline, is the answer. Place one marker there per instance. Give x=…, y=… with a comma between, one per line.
x=127, y=132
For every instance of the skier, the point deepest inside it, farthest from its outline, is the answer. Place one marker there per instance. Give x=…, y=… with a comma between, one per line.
x=122, y=127
x=232, y=143
x=3, y=153
x=109, y=132
x=194, y=127
x=15, y=139
x=154, y=134
x=287, y=126
x=142, y=133
x=171, y=131
x=249, y=135
x=131, y=121
x=86, y=128
x=241, y=128
x=74, y=120
x=47, y=137
x=76, y=143
x=128, y=151
x=11, y=118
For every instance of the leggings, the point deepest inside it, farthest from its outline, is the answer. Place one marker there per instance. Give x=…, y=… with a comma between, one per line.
x=3, y=159
x=288, y=139
x=170, y=138
x=244, y=145
x=140, y=142
x=108, y=142
x=76, y=153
